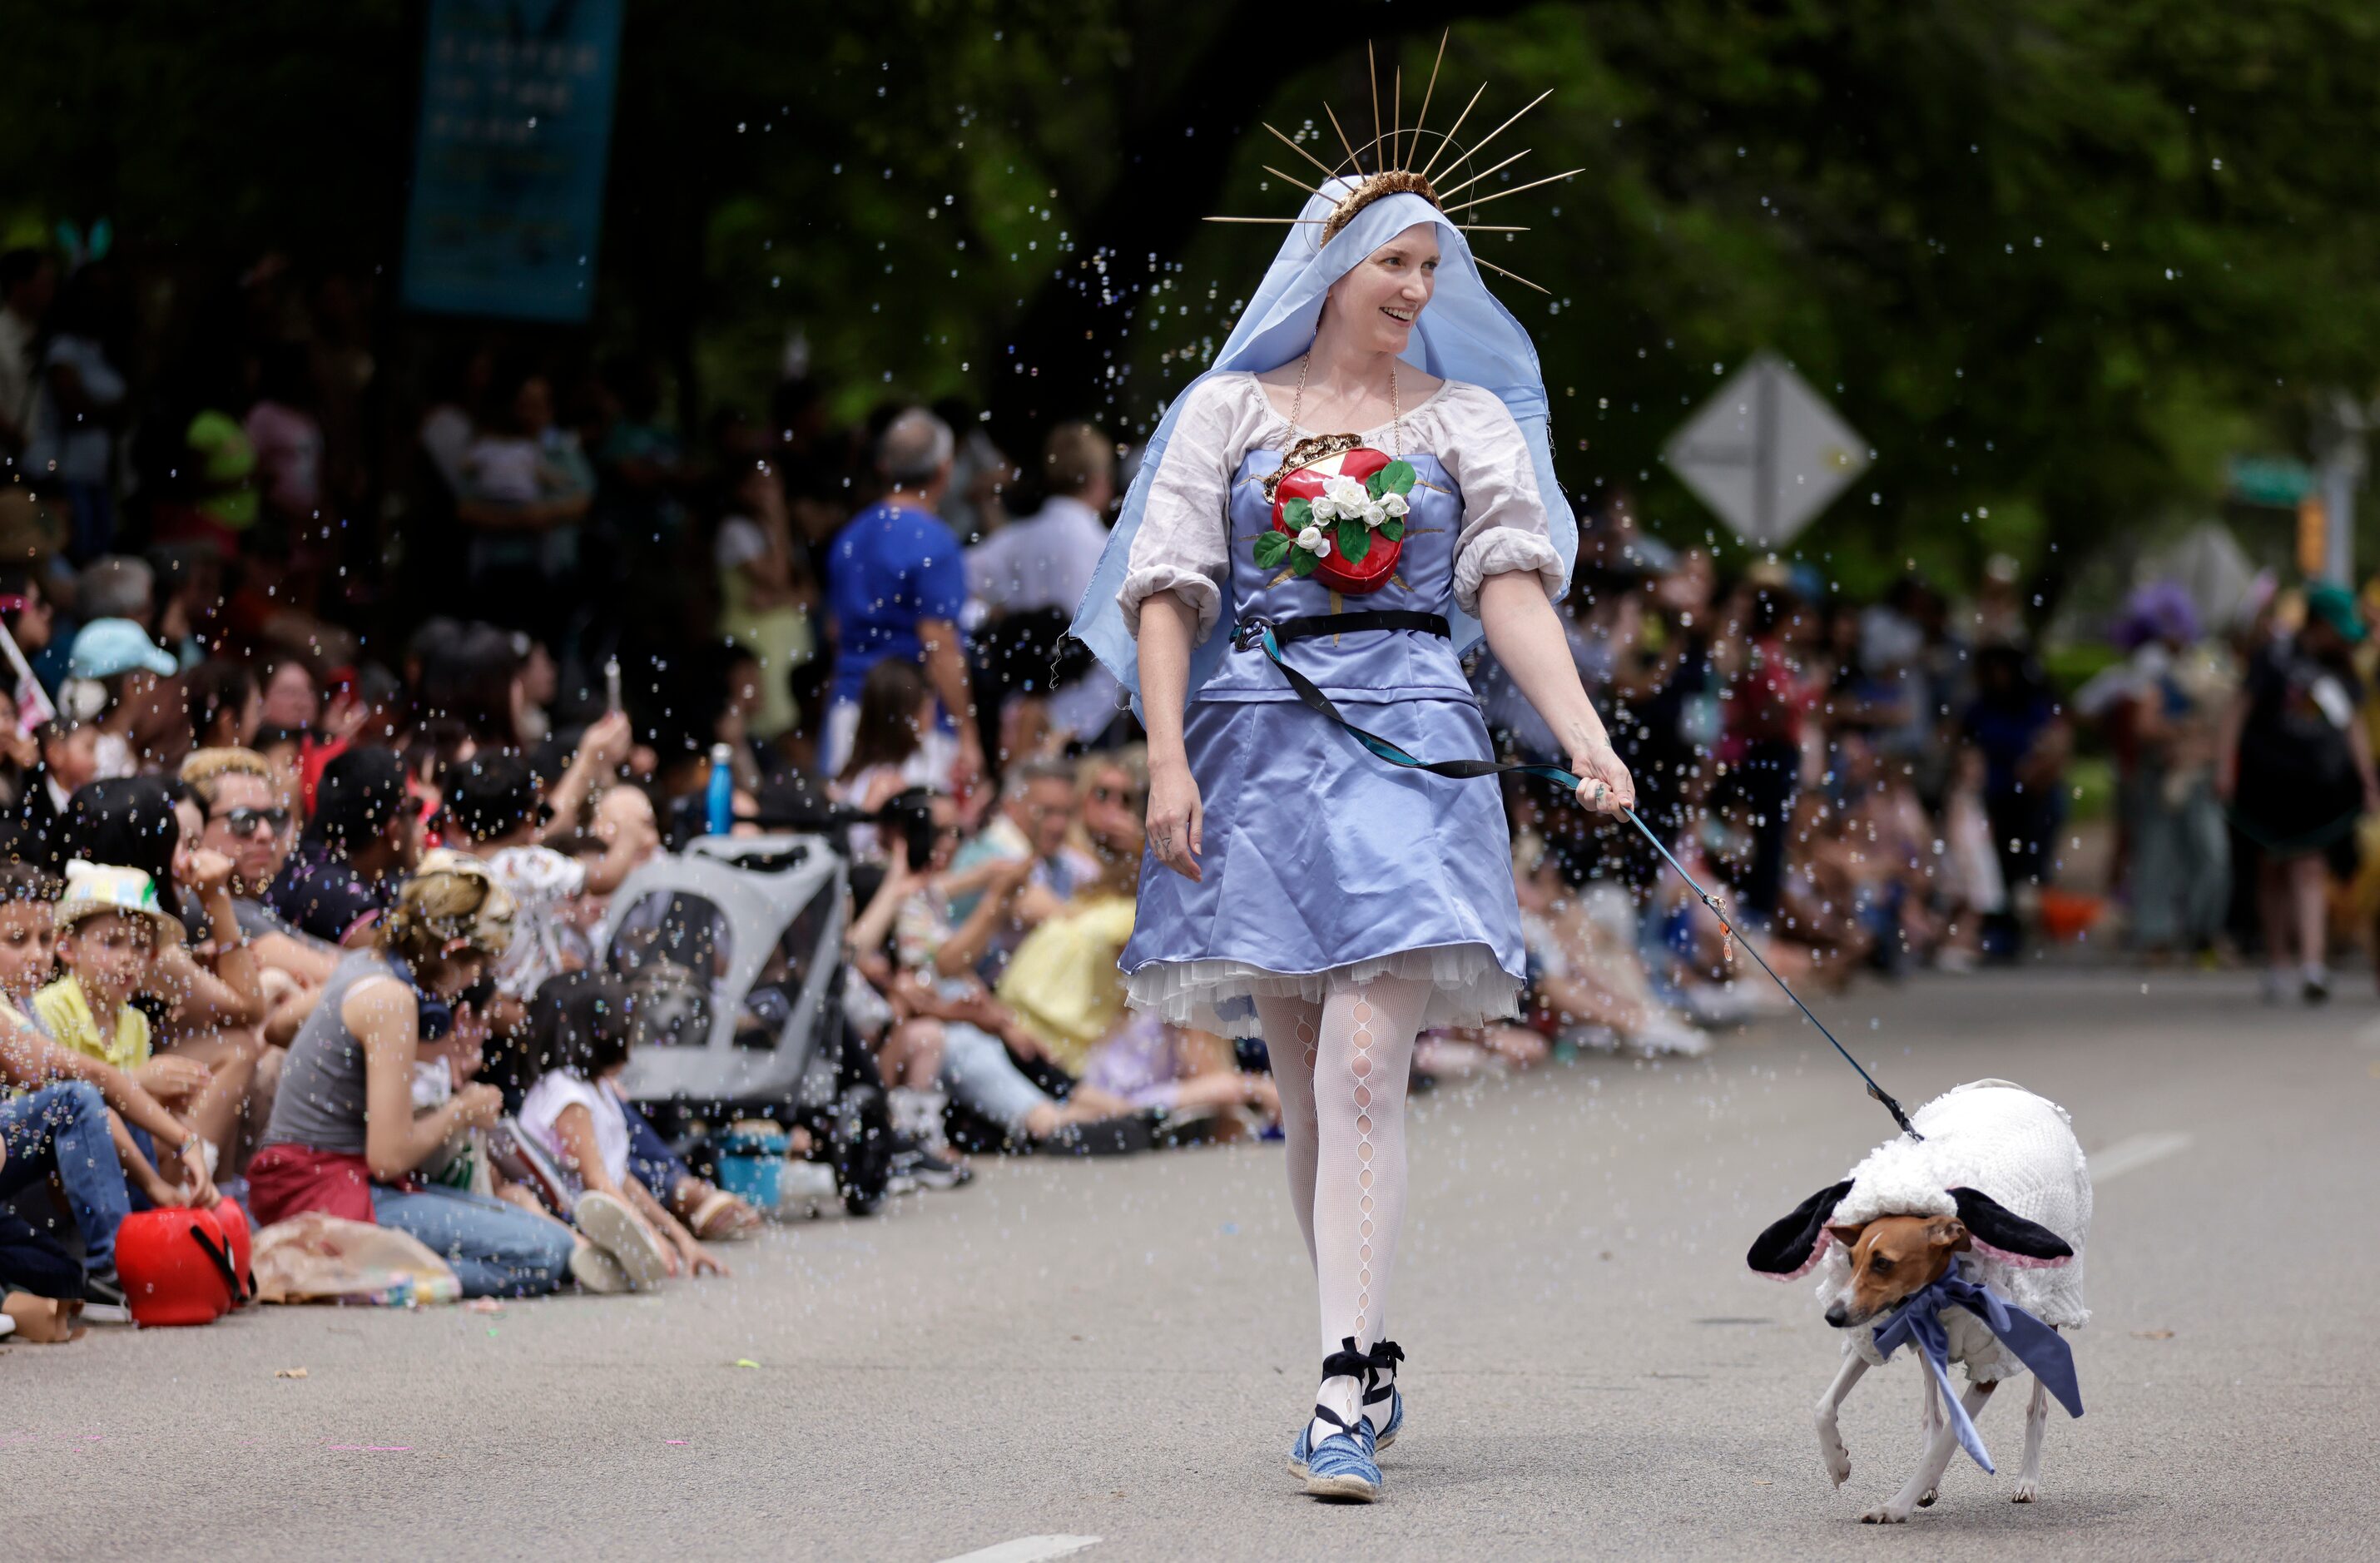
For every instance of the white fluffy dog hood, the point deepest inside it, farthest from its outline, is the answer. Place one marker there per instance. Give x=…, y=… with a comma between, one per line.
x=1899, y=1178
x=2001, y=1159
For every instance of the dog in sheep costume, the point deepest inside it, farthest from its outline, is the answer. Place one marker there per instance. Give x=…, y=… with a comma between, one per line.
x=1990, y=1201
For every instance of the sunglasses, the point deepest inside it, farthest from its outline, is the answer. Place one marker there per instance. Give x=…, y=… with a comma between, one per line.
x=1137, y=797
x=246, y=821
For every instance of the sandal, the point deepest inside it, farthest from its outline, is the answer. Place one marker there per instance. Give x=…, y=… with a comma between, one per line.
x=719, y=1216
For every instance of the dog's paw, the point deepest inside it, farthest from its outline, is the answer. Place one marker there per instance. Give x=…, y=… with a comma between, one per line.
x=1928, y=1500
x=1885, y=1514
x=2026, y=1491
x=1831, y=1451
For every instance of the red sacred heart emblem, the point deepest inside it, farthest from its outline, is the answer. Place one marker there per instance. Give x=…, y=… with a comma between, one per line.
x=1340, y=521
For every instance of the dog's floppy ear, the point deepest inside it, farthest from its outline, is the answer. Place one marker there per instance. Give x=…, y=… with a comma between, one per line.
x=1792, y=1245
x=2002, y=1234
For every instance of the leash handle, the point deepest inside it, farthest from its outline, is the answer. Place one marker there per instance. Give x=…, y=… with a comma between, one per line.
x=1261, y=632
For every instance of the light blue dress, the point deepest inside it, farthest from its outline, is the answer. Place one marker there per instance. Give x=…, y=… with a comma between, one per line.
x=1325, y=866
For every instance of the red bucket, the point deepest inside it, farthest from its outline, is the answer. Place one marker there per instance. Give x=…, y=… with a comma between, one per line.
x=233, y=1222
x=175, y=1267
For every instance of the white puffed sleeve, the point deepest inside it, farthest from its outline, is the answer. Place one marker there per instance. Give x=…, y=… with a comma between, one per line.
x=1504, y=515
x=1184, y=544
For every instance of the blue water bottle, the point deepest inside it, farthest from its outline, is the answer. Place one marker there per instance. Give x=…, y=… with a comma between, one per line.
x=720, y=799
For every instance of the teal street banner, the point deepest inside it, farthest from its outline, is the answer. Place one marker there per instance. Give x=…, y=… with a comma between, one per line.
x=508, y=165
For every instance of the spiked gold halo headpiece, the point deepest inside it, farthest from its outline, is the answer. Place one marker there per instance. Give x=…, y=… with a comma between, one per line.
x=1391, y=154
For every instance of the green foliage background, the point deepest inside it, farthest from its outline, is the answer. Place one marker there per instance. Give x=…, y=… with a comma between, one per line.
x=2054, y=258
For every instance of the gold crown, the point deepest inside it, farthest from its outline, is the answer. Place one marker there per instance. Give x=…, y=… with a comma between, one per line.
x=1392, y=152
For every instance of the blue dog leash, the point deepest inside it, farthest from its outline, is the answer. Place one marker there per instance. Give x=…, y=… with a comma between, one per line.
x=1257, y=632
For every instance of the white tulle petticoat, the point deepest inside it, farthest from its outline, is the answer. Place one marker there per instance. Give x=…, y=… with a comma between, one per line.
x=1467, y=988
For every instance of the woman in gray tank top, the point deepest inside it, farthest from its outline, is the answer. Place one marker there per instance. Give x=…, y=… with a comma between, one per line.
x=344, y=1138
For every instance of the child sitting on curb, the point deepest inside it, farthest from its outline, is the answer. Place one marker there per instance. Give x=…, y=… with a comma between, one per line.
x=111, y=932
x=57, y=1118
x=579, y=1034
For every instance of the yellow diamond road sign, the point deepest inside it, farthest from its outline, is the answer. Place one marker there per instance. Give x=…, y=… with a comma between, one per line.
x=1767, y=453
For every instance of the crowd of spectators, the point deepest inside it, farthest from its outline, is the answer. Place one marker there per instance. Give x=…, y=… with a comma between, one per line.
x=301, y=892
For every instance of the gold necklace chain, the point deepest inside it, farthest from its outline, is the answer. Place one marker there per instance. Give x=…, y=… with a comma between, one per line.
x=1396, y=412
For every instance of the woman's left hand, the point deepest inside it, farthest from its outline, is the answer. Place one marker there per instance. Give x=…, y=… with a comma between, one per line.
x=1604, y=785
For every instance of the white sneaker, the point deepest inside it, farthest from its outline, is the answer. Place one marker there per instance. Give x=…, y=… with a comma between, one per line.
x=596, y=1271
x=610, y=1225
x=805, y=1189
x=917, y=1115
x=1664, y=1033
x=1589, y=1038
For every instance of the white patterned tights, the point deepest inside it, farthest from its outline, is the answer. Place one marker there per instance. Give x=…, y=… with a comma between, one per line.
x=1342, y=1066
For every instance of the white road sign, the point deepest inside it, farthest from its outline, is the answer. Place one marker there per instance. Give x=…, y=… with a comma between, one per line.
x=1767, y=453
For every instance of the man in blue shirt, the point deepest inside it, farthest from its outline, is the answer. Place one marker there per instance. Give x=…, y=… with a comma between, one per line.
x=896, y=580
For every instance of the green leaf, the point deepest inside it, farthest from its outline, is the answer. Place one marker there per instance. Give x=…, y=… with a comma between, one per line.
x=1272, y=548
x=1393, y=530
x=1299, y=514
x=1378, y=483
x=1300, y=564
x=1354, y=539
x=1397, y=476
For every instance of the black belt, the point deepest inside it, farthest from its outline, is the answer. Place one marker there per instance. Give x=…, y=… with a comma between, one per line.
x=1258, y=631
x=1308, y=626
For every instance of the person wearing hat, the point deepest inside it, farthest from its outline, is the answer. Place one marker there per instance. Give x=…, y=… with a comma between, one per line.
x=113, y=674
x=2295, y=765
x=55, y=1124
x=345, y=1138
x=110, y=930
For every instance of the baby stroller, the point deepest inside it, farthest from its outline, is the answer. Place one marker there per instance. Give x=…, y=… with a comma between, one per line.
x=733, y=950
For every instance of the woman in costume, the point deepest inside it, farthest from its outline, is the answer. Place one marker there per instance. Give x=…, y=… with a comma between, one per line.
x=1297, y=886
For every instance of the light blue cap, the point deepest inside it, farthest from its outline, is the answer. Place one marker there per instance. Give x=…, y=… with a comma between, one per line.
x=104, y=647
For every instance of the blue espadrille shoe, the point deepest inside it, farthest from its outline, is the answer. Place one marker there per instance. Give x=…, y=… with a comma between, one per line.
x=1341, y=1465
x=1299, y=1451
x=1383, y=1359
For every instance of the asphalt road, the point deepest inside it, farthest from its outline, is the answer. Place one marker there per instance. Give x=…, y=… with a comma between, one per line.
x=1122, y=1350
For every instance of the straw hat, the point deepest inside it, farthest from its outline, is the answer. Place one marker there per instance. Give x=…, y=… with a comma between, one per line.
x=93, y=887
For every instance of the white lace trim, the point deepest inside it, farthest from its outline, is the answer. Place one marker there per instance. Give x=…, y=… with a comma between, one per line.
x=1468, y=988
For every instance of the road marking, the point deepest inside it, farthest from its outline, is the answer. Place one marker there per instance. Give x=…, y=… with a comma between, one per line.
x=2132, y=1155
x=1027, y=1549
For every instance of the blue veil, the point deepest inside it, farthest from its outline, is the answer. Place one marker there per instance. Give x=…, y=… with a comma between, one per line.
x=1463, y=335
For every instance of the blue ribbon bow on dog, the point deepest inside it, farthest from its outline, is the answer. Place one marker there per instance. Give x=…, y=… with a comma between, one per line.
x=2036, y=1345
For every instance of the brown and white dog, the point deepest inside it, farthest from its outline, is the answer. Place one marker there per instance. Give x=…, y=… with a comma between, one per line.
x=1998, y=1187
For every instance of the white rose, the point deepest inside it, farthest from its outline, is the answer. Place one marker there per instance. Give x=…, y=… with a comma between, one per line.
x=1313, y=541
x=1393, y=504
x=1374, y=515
x=1346, y=495
x=1325, y=509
